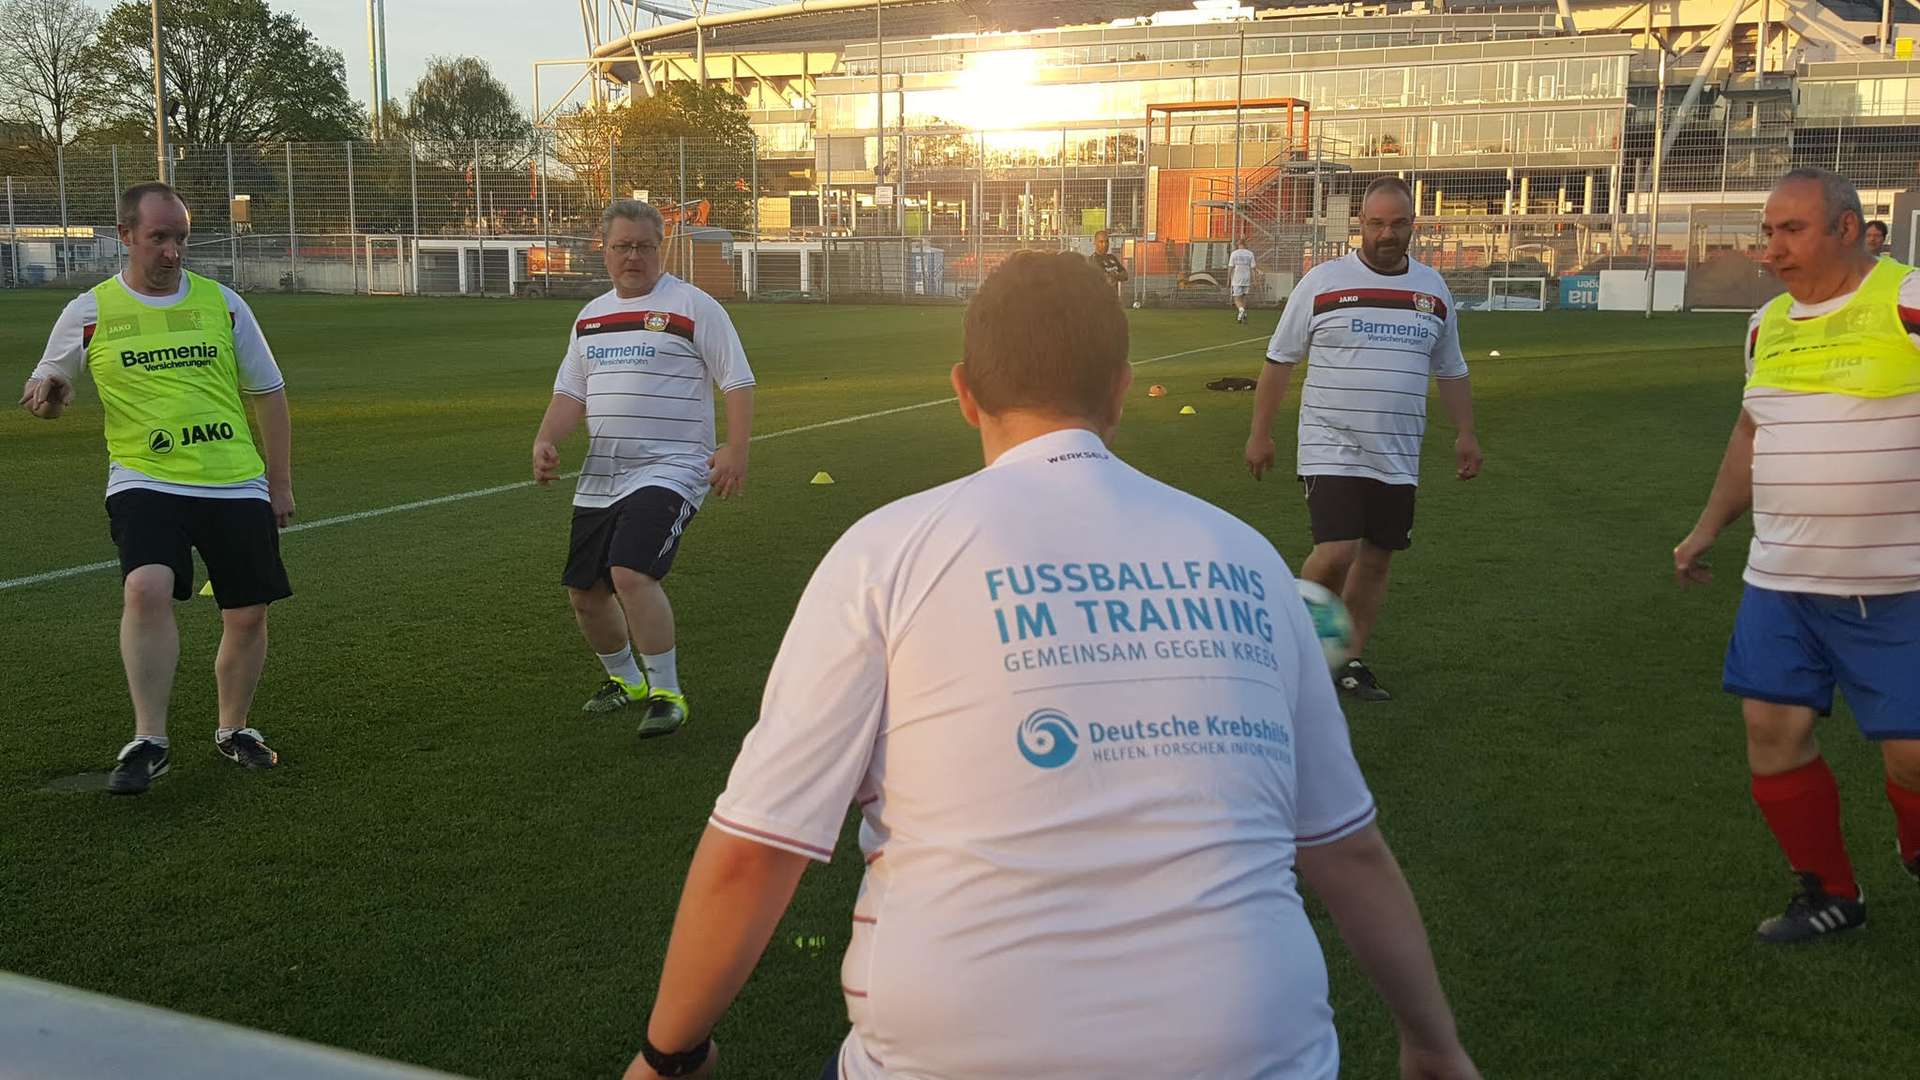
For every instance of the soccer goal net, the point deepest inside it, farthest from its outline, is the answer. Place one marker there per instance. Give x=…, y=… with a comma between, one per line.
x=386, y=266
x=1516, y=294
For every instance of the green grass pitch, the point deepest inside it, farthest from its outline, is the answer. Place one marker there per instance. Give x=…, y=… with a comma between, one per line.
x=456, y=868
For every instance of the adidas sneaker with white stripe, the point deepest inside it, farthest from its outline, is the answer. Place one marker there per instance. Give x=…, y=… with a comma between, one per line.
x=1813, y=913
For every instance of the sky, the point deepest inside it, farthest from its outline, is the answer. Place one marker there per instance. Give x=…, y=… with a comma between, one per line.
x=508, y=34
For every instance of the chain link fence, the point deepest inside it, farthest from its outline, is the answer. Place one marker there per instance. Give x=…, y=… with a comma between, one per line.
x=1556, y=216
x=1702, y=229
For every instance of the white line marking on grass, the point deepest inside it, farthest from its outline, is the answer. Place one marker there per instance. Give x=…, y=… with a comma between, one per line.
x=56, y=575
x=500, y=489
x=951, y=400
x=418, y=504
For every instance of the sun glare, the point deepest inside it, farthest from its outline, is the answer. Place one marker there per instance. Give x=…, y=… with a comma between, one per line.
x=995, y=89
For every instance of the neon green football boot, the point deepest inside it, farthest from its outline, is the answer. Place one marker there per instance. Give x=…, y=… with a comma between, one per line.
x=665, y=714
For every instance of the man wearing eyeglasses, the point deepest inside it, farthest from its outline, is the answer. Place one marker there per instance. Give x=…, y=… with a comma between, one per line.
x=637, y=369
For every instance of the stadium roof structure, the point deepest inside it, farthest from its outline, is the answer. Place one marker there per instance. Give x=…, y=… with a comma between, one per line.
x=820, y=22
x=1686, y=28
x=805, y=23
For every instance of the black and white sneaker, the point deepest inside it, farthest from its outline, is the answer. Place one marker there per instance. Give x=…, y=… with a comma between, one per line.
x=1812, y=913
x=141, y=762
x=616, y=694
x=247, y=748
x=1356, y=681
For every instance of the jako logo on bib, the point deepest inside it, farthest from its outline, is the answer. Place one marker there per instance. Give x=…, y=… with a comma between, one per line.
x=1048, y=739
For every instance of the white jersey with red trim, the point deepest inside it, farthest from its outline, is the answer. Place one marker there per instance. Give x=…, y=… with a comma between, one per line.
x=1836, y=480
x=646, y=367
x=1087, y=723
x=1371, y=341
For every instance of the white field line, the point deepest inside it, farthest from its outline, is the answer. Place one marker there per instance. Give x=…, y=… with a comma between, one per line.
x=499, y=489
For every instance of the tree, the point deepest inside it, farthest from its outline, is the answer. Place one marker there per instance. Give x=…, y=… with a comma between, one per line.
x=236, y=72
x=45, y=85
x=458, y=101
x=645, y=139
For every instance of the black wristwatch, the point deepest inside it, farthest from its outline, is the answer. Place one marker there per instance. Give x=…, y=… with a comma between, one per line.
x=680, y=1064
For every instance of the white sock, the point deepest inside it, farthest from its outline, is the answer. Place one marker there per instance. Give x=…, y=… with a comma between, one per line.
x=157, y=740
x=225, y=733
x=620, y=665
x=661, y=670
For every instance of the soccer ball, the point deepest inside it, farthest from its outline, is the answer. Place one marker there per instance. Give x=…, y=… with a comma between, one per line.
x=1136, y=303
x=1331, y=623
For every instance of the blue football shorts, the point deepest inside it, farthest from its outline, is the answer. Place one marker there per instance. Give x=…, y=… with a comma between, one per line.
x=1794, y=648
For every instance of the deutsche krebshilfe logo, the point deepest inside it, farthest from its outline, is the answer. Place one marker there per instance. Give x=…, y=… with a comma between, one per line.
x=656, y=322
x=160, y=442
x=1423, y=303
x=1048, y=739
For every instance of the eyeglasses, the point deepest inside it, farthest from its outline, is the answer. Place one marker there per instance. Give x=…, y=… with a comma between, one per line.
x=628, y=251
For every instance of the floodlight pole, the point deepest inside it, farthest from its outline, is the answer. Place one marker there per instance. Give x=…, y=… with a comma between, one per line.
x=385, y=94
x=159, y=102
x=374, y=103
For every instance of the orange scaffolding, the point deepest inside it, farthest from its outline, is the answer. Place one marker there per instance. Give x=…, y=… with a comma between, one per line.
x=1292, y=105
x=1218, y=202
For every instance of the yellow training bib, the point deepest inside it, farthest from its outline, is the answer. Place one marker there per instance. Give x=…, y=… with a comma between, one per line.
x=1861, y=350
x=170, y=382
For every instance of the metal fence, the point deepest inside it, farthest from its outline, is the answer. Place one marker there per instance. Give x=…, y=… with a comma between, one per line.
x=924, y=217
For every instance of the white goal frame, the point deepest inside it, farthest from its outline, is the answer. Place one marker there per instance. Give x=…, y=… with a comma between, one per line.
x=1493, y=284
x=394, y=264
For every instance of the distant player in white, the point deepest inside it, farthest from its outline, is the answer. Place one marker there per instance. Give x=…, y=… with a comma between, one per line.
x=1378, y=325
x=638, y=369
x=1242, y=263
x=1091, y=737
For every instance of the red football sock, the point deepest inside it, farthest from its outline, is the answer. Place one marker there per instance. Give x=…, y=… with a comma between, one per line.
x=1802, y=807
x=1906, y=812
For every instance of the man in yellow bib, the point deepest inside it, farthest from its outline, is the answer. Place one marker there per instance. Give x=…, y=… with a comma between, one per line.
x=1826, y=454
x=171, y=354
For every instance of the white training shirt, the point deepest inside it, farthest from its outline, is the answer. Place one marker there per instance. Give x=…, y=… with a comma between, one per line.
x=1242, y=262
x=643, y=367
x=66, y=356
x=1375, y=339
x=1087, y=723
x=1836, y=480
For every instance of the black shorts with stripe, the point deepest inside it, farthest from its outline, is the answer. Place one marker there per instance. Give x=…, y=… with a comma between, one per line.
x=640, y=532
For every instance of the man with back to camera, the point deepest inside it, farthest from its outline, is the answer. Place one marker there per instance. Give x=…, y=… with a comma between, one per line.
x=171, y=354
x=640, y=366
x=1378, y=324
x=1242, y=264
x=1826, y=454
x=1091, y=735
